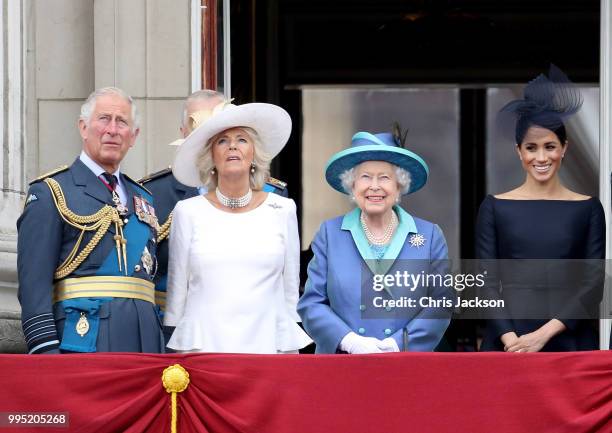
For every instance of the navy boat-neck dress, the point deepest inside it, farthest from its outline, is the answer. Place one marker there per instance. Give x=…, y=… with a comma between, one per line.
x=543, y=229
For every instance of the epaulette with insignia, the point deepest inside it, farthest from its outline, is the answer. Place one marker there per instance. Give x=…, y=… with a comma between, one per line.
x=137, y=183
x=49, y=174
x=277, y=183
x=156, y=175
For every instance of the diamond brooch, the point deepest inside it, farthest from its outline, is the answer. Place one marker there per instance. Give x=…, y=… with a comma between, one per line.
x=417, y=240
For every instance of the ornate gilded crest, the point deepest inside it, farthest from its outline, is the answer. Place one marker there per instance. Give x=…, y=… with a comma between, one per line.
x=82, y=326
x=147, y=261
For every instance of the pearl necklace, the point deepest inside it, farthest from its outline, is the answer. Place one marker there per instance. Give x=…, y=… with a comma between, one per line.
x=386, y=236
x=232, y=202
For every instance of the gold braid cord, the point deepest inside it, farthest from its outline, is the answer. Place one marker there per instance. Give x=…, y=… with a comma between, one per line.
x=175, y=379
x=98, y=222
x=164, y=230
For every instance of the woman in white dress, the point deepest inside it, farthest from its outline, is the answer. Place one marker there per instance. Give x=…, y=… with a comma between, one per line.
x=233, y=273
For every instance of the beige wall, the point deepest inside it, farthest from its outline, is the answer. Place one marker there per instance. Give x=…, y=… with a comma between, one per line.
x=322, y=138
x=141, y=46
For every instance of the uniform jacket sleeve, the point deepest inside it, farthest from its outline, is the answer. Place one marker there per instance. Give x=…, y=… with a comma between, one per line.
x=39, y=244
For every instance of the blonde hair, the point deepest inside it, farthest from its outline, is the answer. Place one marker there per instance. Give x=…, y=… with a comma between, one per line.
x=261, y=161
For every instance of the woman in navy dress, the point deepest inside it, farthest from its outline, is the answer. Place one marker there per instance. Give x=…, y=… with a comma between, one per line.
x=542, y=219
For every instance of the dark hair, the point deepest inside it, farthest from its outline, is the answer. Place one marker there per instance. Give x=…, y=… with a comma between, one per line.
x=546, y=102
x=557, y=127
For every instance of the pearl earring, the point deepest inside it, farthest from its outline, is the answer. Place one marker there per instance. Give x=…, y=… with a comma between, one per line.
x=212, y=171
x=252, y=168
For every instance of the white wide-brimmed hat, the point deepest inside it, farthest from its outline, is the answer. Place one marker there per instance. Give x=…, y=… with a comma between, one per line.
x=271, y=122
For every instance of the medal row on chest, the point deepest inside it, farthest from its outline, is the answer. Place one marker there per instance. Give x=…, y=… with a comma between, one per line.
x=142, y=208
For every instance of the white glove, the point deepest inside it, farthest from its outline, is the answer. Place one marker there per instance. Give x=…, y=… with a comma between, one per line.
x=356, y=344
x=388, y=345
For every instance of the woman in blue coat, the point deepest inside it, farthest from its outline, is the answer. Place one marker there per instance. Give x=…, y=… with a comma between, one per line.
x=345, y=306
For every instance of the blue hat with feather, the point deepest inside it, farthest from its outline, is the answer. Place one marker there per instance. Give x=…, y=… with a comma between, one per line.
x=377, y=147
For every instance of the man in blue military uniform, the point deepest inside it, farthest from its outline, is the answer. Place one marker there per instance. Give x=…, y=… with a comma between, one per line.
x=87, y=242
x=198, y=107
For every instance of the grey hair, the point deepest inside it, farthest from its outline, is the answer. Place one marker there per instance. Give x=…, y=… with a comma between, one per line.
x=261, y=160
x=204, y=94
x=90, y=104
x=402, y=177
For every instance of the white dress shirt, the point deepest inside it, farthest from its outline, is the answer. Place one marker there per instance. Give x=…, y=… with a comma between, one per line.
x=97, y=170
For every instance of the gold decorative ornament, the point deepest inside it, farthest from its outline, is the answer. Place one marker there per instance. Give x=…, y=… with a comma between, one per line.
x=175, y=379
x=147, y=260
x=104, y=286
x=82, y=326
x=277, y=183
x=98, y=222
x=164, y=229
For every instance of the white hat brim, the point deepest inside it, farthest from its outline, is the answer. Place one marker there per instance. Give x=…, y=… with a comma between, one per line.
x=271, y=122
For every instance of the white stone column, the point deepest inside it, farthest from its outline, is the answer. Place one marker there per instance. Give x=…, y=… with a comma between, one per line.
x=605, y=155
x=12, y=180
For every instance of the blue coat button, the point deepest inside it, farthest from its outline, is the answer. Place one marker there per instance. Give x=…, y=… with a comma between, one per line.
x=387, y=331
x=388, y=308
x=361, y=330
x=362, y=307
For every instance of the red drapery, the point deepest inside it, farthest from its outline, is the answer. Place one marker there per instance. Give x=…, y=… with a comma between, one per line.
x=388, y=393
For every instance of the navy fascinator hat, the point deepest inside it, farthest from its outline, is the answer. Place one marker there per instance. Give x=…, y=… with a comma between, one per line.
x=547, y=102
